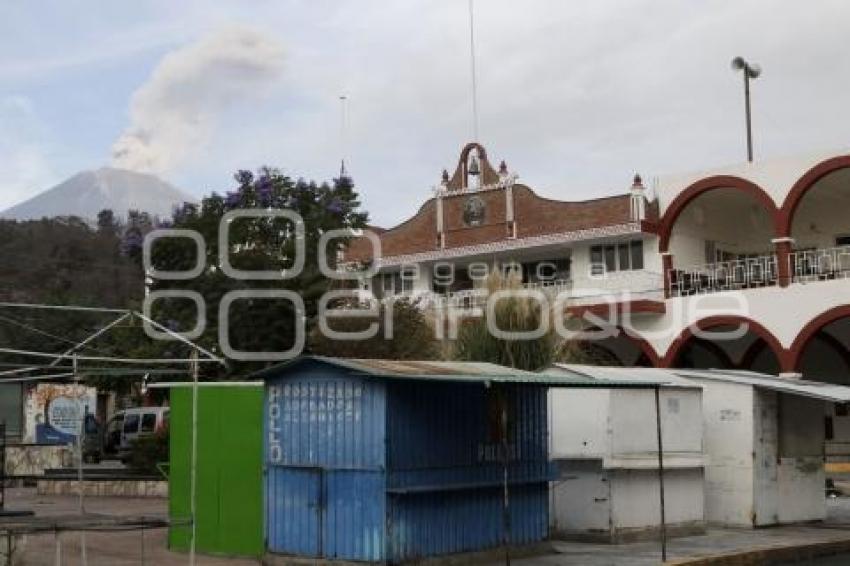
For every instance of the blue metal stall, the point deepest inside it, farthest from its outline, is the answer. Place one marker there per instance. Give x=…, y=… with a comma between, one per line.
x=377, y=460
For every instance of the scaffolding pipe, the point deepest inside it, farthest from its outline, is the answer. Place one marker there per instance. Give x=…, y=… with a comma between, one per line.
x=194, y=460
x=660, y=473
x=81, y=488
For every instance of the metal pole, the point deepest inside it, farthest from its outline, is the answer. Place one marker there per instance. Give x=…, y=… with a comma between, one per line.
x=3, y=470
x=80, y=433
x=660, y=473
x=506, y=509
x=194, y=459
x=57, y=558
x=749, y=119
x=474, y=78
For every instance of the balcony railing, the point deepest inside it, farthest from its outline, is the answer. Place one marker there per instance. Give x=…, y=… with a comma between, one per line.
x=616, y=285
x=820, y=264
x=745, y=273
x=625, y=285
x=477, y=298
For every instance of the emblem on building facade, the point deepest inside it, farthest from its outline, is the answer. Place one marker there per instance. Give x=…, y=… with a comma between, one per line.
x=473, y=211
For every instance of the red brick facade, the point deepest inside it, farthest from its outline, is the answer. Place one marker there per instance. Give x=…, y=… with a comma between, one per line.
x=532, y=214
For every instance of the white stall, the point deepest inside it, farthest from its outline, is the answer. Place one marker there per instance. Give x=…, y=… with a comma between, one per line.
x=764, y=439
x=604, y=443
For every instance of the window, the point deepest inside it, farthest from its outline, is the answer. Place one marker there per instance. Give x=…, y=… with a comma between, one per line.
x=842, y=241
x=624, y=256
x=131, y=424
x=610, y=258
x=637, y=254
x=443, y=276
x=148, y=422
x=511, y=269
x=621, y=257
x=710, y=251
x=388, y=285
x=409, y=274
x=546, y=270
x=597, y=268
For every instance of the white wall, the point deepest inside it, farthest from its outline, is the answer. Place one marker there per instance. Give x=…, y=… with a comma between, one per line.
x=579, y=423
x=589, y=500
x=633, y=421
x=801, y=470
x=765, y=457
x=769, y=306
x=728, y=437
x=580, y=499
x=635, y=501
x=775, y=176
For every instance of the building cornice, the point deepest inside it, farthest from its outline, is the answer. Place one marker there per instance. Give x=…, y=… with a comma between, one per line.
x=512, y=244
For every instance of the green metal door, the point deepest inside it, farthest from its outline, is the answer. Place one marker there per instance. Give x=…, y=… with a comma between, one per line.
x=229, y=470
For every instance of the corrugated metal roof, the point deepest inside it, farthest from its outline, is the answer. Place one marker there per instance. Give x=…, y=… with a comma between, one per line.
x=639, y=376
x=802, y=387
x=448, y=371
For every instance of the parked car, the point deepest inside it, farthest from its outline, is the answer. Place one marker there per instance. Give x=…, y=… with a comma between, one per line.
x=129, y=424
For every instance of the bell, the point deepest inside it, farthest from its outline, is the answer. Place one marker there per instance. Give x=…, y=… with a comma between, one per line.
x=474, y=169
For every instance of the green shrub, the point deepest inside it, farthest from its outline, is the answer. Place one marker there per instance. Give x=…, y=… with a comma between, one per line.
x=412, y=335
x=148, y=451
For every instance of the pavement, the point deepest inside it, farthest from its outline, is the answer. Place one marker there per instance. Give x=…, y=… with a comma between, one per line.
x=149, y=546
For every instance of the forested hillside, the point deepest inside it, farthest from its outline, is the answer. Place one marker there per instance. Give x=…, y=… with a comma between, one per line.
x=64, y=260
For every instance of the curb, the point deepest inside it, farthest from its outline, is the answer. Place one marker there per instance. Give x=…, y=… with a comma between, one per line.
x=767, y=555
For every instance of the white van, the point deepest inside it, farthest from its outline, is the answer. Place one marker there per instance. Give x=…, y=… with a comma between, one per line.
x=130, y=424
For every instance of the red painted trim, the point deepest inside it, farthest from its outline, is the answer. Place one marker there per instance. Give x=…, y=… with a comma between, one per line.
x=645, y=347
x=783, y=262
x=813, y=327
x=666, y=267
x=782, y=355
x=708, y=184
x=604, y=309
x=802, y=186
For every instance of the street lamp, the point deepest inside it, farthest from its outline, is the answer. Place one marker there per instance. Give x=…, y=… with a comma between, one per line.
x=751, y=71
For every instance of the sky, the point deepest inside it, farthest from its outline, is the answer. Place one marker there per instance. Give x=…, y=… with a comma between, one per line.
x=575, y=96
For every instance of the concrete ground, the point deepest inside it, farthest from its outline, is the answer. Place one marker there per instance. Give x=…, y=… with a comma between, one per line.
x=103, y=548
x=125, y=548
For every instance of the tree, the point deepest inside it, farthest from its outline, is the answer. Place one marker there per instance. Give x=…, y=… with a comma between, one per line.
x=106, y=223
x=412, y=335
x=257, y=244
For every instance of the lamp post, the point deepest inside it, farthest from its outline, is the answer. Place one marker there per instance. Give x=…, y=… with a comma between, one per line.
x=750, y=71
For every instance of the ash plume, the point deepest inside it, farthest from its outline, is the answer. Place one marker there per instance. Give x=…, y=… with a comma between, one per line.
x=175, y=112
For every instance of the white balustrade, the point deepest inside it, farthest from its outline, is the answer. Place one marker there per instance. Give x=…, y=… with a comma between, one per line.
x=819, y=264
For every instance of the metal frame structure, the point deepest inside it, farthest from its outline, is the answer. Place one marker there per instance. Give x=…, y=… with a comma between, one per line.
x=137, y=367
